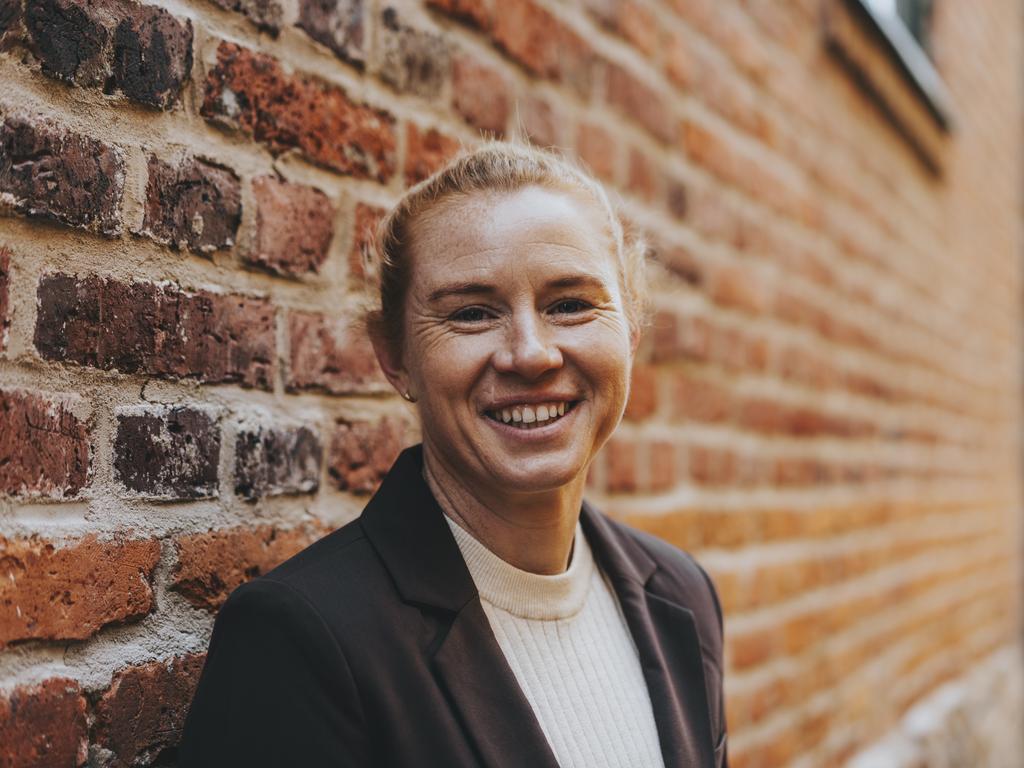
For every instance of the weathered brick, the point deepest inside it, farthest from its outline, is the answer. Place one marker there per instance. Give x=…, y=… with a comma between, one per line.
x=640, y=102
x=50, y=173
x=294, y=227
x=622, y=465
x=643, y=393
x=251, y=91
x=265, y=14
x=476, y=13
x=192, y=204
x=167, y=452
x=633, y=21
x=360, y=260
x=540, y=121
x=362, y=452
x=703, y=400
x=44, y=448
x=212, y=564
x=156, y=329
x=411, y=60
x=141, y=50
x=328, y=355
x=597, y=149
x=5, y=295
x=680, y=63
x=643, y=179
x=740, y=286
x=143, y=711
x=662, y=465
x=338, y=24
x=711, y=466
x=44, y=726
x=69, y=592
x=270, y=461
x=543, y=44
x=480, y=94
x=426, y=150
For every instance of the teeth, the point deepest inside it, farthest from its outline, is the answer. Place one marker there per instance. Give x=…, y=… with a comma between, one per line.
x=528, y=415
x=517, y=415
x=506, y=415
x=561, y=409
x=542, y=413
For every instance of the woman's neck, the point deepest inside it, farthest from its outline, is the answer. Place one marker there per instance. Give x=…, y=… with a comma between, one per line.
x=533, y=532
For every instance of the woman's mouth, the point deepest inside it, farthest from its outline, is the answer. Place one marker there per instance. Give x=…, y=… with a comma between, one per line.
x=532, y=416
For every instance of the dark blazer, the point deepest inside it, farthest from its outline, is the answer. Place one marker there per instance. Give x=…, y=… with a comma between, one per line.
x=371, y=648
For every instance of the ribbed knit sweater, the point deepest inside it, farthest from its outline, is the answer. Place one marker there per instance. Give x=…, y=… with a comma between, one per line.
x=568, y=644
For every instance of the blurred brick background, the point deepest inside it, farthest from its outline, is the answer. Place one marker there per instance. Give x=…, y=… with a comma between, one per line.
x=827, y=408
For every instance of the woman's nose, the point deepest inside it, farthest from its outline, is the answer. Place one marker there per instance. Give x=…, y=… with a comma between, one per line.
x=528, y=349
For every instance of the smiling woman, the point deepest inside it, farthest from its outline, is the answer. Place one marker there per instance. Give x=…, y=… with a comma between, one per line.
x=479, y=611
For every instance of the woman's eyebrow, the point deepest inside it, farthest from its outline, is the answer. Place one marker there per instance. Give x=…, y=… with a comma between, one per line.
x=476, y=288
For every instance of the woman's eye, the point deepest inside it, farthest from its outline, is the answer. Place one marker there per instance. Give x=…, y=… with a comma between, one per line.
x=470, y=315
x=570, y=306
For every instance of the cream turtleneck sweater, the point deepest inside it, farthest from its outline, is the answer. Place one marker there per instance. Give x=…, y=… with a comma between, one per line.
x=567, y=642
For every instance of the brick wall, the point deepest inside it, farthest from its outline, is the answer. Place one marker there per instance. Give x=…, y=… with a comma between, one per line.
x=826, y=409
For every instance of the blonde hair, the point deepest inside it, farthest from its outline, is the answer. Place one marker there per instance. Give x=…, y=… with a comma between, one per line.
x=494, y=166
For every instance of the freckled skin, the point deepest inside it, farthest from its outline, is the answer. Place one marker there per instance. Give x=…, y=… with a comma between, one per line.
x=539, y=310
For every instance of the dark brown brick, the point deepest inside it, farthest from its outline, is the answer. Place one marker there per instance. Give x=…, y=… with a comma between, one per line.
x=294, y=227
x=143, y=711
x=265, y=14
x=192, y=204
x=411, y=60
x=156, y=329
x=5, y=295
x=475, y=13
x=141, y=50
x=362, y=452
x=481, y=94
x=44, y=726
x=271, y=461
x=44, y=448
x=69, y=592
x=338, y=24
x=426, y=150
x=251, y=91
x=328, y=355
x=53, y=174
x=211, y=565
x=152, y=56
x=167, y=453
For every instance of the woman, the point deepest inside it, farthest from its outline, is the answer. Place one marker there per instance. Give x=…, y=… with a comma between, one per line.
x=479, y=612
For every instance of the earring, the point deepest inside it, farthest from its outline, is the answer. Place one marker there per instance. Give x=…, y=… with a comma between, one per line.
x=408, y=397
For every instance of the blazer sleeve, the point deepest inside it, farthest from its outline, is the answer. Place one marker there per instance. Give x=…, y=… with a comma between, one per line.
x=721, y=747
x=276, y=689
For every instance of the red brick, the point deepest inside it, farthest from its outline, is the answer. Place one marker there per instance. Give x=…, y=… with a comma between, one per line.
x=643, y=178
x=699, y=399
x=360, y=257
x=712, y=466
x=252, y=92
x=338, y=24
x=69, y=592
x=275, y=460
x=662, y=463
x=639, y=101
x=44, y=447
x=44, y=726
x=709, y=149
x=426, y=151
x=143, y=711
x=327, y=354
x=542, y=44
x=481, y=94
x=156, y=329
x=541, y=121
x=680, y=63
x=192, y=204
x=5, y=295
x=53, y=174
x=211, y=565
x=596, y=147
x=141, y=50
x=167, y=452
x=640, y=25
x=411, y=60
x=752, y=648
x=621, y=465
x=361, y=453
x=643, y=393
x=742, y=287
x=294, y=227
x=475, y=13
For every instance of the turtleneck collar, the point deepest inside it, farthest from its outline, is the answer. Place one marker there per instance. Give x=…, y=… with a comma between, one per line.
x=524, y=594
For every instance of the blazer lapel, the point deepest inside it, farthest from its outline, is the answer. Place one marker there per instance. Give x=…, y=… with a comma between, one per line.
x=406, y=527
x=666, y=638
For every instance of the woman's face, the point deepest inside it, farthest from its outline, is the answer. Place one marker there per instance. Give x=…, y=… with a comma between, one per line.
x=517, y=346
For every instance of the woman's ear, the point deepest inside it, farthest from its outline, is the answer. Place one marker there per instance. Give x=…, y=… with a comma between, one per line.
x=390, y=361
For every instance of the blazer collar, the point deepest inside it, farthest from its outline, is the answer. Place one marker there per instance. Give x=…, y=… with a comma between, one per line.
x=405, y=524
